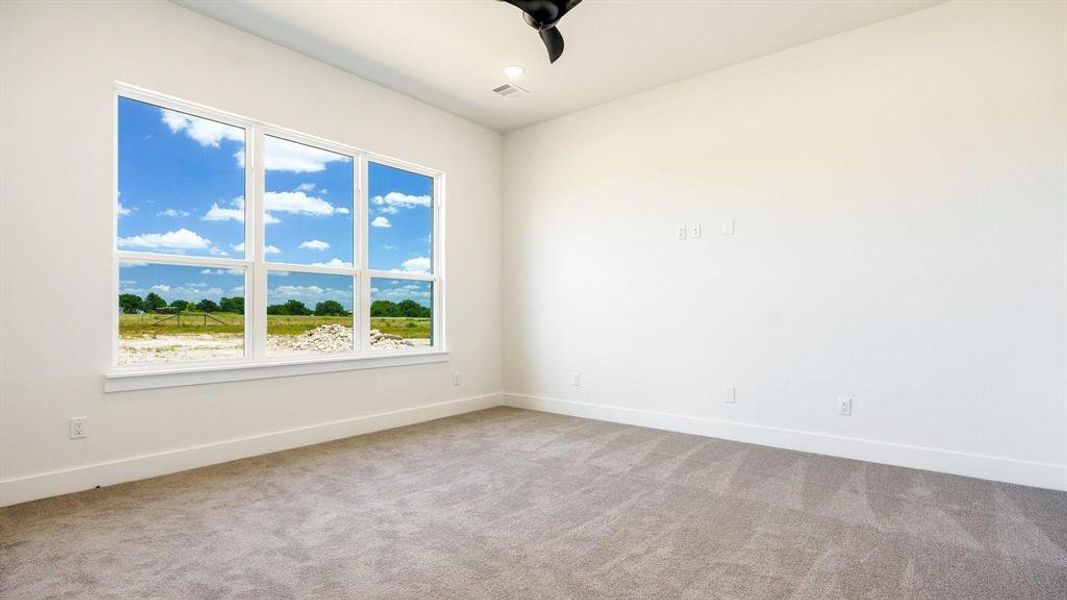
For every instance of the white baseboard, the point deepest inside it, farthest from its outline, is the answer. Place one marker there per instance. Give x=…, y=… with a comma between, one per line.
x=1008, y=470
x=54, y=483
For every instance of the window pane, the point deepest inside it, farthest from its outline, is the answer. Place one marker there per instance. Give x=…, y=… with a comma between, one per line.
x=401, y=220
x=401, y=314
x=308, y=313
x=308, y=201
x=181, y=183
x=179, y=313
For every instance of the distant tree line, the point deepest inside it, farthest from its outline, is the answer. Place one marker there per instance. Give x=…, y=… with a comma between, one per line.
x=404, y=308
x=326, y=308
x=133, y=304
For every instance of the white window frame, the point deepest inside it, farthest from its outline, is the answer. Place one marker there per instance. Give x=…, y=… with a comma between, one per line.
x=256, y=364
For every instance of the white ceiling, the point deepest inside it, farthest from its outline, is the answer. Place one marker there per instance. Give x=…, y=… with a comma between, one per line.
x=451, y=53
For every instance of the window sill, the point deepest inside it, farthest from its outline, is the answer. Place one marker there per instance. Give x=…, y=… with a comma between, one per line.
x=124, y=380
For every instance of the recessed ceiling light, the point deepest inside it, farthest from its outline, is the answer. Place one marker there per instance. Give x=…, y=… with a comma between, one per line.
x=514, y=71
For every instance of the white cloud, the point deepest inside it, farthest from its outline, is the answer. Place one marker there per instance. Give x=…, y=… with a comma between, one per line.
x=314, y=245
x=189, y=292
x=418, y=293
x=193, y=292
x=334, y=262
x=221, y=272
x=182, y=239
x=298, y=203
x=297, y=290
x=205, y=132
x=237, y=290
x=171, y=212
x=218, y=213
x=306, y=187
x=123, y=211
x=388, y=210
x=269, y=249
x=380, y=222
x=306, y=293
x=236, y=212
x=399, y=200
x=420, y=264
x=283, y=155
x=390, y=247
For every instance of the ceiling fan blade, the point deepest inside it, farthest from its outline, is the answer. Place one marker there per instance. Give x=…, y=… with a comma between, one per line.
x=567, y=6
x=553, y=40
x=543, y=15
x=538, y=12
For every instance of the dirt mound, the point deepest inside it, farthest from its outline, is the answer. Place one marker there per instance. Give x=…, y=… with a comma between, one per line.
x=386, y=341
x=328, y=339
x=324, y=339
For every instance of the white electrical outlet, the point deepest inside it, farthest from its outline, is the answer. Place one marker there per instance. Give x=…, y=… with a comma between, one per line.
x=696, y=231
x=455, y=377
x=77, y=427
x=576, y=379
x=682, y=231
x=844, y=407
x=730, y=395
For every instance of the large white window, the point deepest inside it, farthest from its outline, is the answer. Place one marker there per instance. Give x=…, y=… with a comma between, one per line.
x=244, y=244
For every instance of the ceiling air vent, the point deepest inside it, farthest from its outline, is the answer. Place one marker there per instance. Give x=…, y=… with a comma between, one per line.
x=510, y=91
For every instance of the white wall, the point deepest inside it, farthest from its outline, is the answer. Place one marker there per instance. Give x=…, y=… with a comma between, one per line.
x=899, y=192
x=59, y=62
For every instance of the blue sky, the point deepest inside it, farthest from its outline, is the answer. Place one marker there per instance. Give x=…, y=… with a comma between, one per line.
x=401, y=220
x=181, y=191
x=398, y=290
x=172, y=169
x=309, y=288
x=180, y=282
x=311, y=193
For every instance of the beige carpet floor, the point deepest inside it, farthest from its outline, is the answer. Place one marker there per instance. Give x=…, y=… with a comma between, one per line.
x=508, y=503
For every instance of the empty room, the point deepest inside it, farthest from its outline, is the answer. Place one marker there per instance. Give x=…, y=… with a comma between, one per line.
x=533, y=299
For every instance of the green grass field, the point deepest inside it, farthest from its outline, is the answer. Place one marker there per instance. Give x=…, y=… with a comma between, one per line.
x=408, y=327
x=195, y=323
